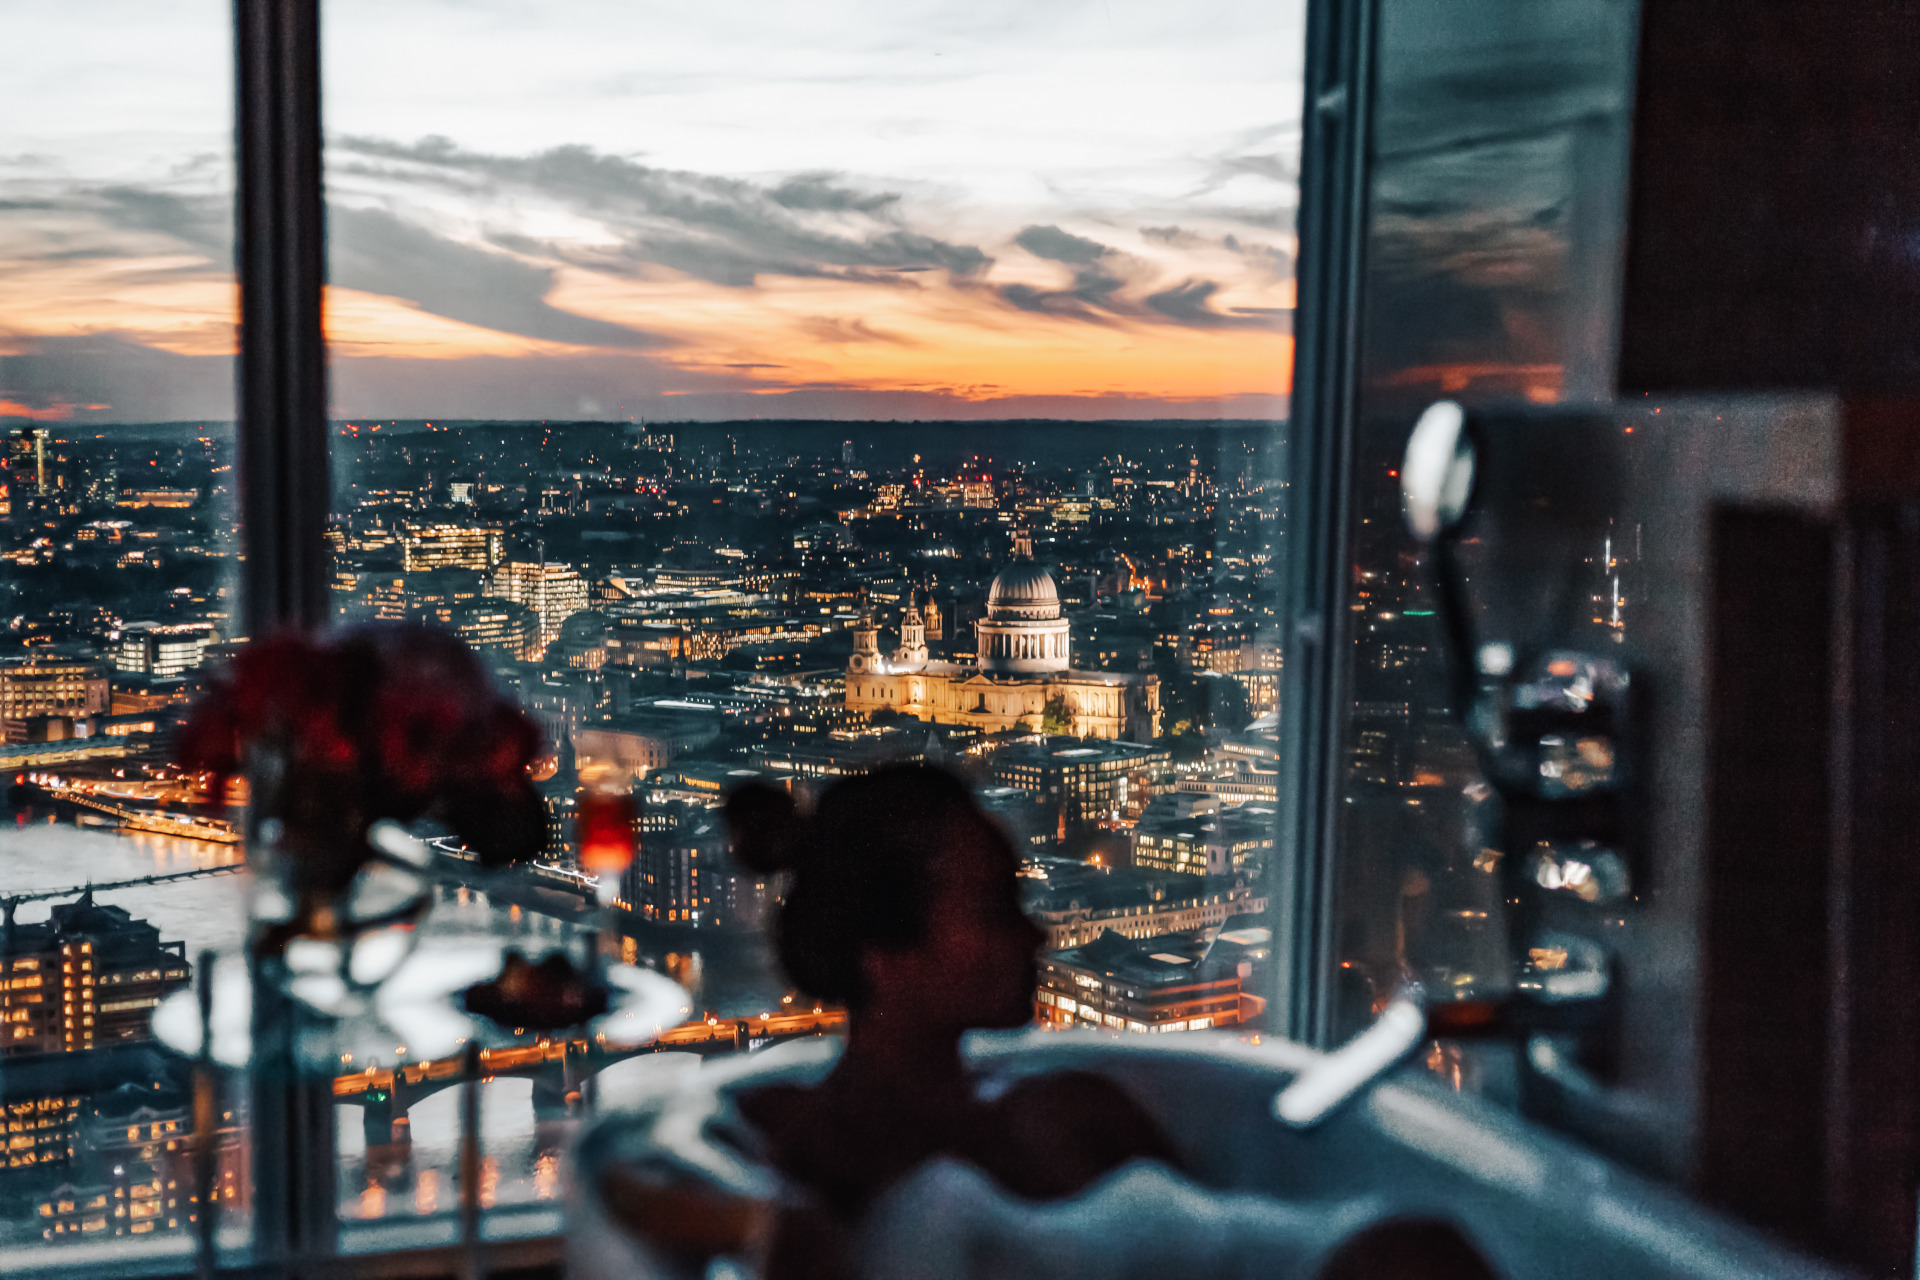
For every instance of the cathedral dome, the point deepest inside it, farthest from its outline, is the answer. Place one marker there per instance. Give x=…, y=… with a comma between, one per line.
x=1023, y=585
x=1023, y=632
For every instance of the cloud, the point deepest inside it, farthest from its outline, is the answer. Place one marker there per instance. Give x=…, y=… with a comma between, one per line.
x=1266, y=155
x=817, y=191
x=812, y=283
x=1271, y=217
x=59, y=411
x=205, y=222
x=727, y=231
x=373, y=250
x=1061, y=246
x=109, y=377
x=1278, y=166
x=1177, y=237
x=376, y=251
x=830, y=329
x=1187, y=303
x=1271, y=263
x=1276, y=263
x=70, y=222
x=731, y=251
x=1099, y=274
x=816, y=224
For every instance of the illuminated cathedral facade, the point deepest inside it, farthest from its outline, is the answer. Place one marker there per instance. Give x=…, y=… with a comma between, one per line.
x=1023, y=664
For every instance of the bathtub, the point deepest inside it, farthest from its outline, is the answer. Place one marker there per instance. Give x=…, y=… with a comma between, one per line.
x=1532, y=1204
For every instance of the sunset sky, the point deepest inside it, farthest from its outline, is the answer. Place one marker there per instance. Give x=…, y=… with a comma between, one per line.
x=843, y=208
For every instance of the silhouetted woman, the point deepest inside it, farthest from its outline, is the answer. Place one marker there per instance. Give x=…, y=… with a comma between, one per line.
x=904, y=907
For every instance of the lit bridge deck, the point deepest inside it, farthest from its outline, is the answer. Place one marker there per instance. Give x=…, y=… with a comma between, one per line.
x=559, y=1067
x=187, y=827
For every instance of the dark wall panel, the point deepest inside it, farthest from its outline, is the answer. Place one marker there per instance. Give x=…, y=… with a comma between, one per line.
x=1774, y=236
x=1764, y=1041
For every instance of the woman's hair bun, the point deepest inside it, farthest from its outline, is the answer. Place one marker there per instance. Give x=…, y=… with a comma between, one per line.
x=764, y=826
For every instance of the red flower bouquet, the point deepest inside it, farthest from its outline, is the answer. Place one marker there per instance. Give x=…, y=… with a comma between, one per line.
x=338, y=732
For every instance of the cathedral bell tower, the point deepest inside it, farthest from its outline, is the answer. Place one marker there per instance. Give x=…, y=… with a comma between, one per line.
x=913, y=640
x=866, y=648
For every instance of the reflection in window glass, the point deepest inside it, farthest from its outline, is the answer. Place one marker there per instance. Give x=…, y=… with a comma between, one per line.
x=117, y=552
x=1490, y=280
x=772, y=393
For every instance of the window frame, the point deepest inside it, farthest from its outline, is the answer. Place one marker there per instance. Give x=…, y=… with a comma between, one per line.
x=283, y=444
x=1330, y=271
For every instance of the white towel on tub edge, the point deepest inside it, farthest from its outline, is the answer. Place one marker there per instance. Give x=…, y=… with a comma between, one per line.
x=950, y=1221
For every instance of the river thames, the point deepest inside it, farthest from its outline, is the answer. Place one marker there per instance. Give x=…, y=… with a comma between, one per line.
x=522, y=1156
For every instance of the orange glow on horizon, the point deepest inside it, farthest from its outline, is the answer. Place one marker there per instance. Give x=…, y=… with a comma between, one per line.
x=1538, y=382
x=931, y=334
x=52, y=413
x=361, y=324
x=171, y=303
x=790, y=333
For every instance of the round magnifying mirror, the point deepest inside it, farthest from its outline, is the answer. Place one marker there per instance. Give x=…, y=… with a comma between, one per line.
x=1436, y=476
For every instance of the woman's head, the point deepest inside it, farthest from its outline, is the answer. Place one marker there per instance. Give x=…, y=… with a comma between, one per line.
x=904, y=898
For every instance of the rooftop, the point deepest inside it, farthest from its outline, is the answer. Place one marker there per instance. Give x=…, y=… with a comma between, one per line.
x=1067, y=752
x=1062, y=893
x=1172, y=959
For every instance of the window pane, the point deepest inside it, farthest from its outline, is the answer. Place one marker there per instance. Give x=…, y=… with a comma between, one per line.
x=1490, y=280
x=706, y=367
x=117, y=551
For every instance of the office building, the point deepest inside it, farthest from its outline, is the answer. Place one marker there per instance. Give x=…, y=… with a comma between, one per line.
x=450, y=545
x=1080, y=780
x=685, y=874
x=555, y=592
x=1076, y=903
x=67, y=688
x=88, y=977
x=1176, y=982
x=161, y=649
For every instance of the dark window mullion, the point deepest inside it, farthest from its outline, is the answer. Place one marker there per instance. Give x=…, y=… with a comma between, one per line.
x=1335, y=150
x=284, y=494
x=280, y=258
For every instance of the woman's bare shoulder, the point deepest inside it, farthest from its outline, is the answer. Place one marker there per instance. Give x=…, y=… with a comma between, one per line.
x=793, y=1120
x=1071, y=1089
x=1079, y=1126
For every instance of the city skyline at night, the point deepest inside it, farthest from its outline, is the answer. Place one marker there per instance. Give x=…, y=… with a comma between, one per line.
x=680, y=607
